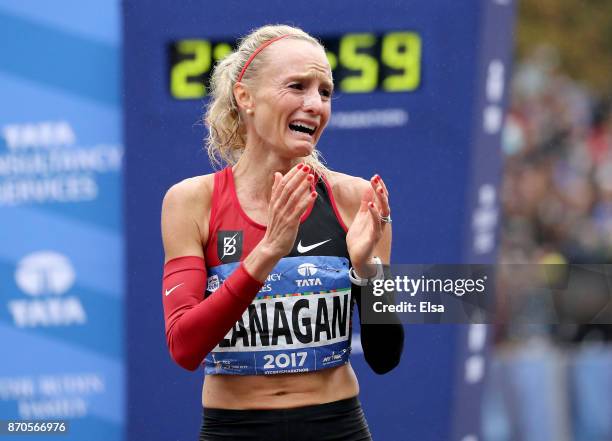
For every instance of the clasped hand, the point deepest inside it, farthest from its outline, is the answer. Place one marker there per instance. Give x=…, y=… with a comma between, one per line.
x=291, y=195
x=367, y=228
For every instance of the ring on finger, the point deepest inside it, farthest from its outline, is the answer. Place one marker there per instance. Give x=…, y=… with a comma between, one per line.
x=386, y=219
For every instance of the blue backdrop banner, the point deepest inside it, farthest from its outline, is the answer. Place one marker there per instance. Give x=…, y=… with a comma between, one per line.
x=61, y=226
x=420, y=93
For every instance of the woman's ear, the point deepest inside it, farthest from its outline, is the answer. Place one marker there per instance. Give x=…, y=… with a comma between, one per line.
x=243, y=97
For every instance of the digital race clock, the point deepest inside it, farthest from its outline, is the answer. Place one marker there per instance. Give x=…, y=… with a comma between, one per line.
x=360, y=62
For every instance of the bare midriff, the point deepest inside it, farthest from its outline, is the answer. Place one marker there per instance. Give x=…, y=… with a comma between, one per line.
x=279, y=391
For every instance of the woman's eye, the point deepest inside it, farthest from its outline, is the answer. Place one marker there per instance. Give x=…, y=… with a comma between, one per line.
x=326, y=93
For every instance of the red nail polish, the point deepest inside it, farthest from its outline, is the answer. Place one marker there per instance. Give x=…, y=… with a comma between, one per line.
x=371, y=204
x=381, y=191
x=377, y=179
x=313, y=194
x=299, y=167
x=306, y=169
x=309, y=178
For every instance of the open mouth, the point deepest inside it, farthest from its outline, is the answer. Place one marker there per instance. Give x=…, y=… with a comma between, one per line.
x=302, y=127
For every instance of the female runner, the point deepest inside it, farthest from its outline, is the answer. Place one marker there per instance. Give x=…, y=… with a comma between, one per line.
x=260, y=256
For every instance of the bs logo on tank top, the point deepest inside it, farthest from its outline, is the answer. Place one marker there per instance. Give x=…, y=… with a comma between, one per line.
x=229, y=246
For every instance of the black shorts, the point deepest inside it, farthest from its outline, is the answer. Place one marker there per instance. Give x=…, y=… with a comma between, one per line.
x=337, y=421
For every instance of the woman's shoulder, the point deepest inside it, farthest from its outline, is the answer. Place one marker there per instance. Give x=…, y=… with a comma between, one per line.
x=347, y=189
x=185, y=215
x=191, y=191
x=190, y=197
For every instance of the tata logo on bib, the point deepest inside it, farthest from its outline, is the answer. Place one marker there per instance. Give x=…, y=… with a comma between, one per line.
x=229, y=246
x=307, y=270
x=46, y=276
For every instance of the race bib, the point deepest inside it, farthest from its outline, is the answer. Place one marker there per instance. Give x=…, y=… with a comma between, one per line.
x=300, y=321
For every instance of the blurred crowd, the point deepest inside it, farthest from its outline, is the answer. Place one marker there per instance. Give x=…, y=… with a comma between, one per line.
x=557, y=209
x=557, y=190
x=557, y=186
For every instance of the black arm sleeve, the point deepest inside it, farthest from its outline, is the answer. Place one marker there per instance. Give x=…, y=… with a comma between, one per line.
x=382, y=343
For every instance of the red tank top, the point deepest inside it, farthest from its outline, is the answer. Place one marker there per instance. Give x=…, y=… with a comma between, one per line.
x=232, y=234
x=300, y=320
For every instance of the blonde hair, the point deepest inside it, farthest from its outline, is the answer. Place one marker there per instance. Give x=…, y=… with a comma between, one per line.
x=226, y=138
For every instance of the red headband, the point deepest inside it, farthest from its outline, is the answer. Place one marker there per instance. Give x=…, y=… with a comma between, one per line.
x=254, y=54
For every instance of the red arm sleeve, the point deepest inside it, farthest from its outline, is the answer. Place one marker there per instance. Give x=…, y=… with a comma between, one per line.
x=194, y=325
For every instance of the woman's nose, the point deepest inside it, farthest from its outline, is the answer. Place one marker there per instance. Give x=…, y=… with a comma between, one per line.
x=312, y=101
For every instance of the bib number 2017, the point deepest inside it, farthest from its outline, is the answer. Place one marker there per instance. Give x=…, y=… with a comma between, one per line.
x=295, y=359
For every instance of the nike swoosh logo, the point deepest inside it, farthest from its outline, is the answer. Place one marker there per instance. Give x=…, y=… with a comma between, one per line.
x=169, y=291
x=303, y=249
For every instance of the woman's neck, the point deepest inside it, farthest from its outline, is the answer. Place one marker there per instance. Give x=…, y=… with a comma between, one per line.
x=254, y=173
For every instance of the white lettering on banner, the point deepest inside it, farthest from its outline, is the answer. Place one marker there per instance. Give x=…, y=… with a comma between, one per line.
x=42, y=134
x=474, y=368
x=77, y=188
x=365, y=119
x=484, y=220
x=100, y=159
x=46, y=275
x=52, y=396
x=58, y=408
x=492, y=117
x=70, y=384
x=291, y=323
x=477, y=337
x=495, y=81
x=13, y=388
x=49, y=312
x=43, y=164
